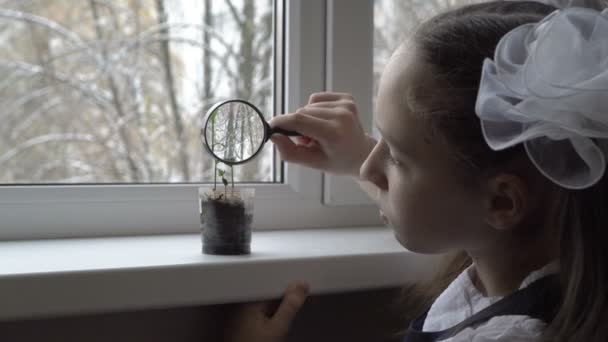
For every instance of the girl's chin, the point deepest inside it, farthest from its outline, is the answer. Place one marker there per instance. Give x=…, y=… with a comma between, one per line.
x=420, y=246
x=399, y=237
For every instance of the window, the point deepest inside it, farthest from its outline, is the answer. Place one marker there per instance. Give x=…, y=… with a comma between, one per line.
x=113, y=91
x=396, y=20
x=76, y=198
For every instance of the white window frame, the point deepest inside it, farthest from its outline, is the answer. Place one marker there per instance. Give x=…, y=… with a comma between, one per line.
x=305, y=200
x=349, y=69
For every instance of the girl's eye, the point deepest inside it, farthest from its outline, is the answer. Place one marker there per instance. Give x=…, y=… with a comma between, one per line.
x=393, y=160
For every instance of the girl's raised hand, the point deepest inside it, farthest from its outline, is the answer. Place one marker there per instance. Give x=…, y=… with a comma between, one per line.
x=255, y=322
x=333, y=139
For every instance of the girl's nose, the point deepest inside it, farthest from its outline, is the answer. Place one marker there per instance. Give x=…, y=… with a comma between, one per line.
x=372, y=169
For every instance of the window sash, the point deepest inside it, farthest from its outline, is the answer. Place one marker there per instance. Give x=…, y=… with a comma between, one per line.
x=49, y=211
x=349, y=47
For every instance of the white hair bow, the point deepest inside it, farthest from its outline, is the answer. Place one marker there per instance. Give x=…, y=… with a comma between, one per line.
x=547, y=88
x=593, y=4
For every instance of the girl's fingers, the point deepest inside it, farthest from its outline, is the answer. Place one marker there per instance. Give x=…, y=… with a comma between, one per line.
x=294, y=298
x=328, y=96
x=305, y=124
x=309, y=154
x=257, y=308
x=333, y=104
x=303, y=140
x=323, y=113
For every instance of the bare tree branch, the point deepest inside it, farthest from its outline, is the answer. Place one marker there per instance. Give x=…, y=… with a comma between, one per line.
x=116, y=99
x=50, y=25
x=45, y=139
x=69, y=163
x=18, y=103
x=235, y=13
x=90, y=91
x=162, y=29
x=171, y=93
x=32, y=116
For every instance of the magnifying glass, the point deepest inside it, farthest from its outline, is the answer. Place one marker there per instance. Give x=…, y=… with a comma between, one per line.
x=235, y=131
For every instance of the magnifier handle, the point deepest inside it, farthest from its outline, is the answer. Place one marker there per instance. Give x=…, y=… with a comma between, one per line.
x=284, y=132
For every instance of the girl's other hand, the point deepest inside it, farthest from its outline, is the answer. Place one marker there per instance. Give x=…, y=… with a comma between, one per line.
x=256, y=322
x=333, y=139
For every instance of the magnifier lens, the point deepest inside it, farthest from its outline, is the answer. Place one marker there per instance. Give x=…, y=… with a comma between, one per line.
x=234, y=131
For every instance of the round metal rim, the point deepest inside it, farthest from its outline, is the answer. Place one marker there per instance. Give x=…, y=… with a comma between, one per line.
x=204, y=130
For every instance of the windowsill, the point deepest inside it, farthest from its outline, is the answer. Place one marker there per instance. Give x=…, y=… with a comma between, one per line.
x=75, y=276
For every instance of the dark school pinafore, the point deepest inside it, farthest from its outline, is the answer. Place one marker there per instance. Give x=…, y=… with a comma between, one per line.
x=538, y=300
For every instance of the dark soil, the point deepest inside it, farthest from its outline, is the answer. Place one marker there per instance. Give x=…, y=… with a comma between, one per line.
x=226, y=226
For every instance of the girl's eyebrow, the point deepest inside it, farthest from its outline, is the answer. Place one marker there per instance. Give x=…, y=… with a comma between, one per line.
x=392, y=141
x=382, y=133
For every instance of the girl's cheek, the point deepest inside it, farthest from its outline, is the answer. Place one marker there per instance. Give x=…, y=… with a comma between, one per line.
x=398, y=179
x=398, y=198
x=409, y=197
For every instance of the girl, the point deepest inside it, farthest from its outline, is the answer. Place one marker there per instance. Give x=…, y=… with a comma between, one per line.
x=492, y=119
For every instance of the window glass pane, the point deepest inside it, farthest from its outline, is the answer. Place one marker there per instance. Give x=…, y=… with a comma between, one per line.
x=396, y=20
x=111, y=91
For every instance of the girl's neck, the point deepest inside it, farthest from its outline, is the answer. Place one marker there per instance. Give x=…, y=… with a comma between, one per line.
x=492, y=282
x=500, y=270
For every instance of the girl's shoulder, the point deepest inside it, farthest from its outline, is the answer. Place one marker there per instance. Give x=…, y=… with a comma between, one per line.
x=503, y=328
x=462, y=299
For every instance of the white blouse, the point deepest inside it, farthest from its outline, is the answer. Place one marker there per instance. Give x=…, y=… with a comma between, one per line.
x=462, y=299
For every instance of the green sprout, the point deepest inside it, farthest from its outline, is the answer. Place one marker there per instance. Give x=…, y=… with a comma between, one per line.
x=218, y=171
x=222, y=174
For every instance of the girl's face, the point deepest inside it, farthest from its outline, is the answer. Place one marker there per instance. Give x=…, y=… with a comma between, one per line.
x=419, y=192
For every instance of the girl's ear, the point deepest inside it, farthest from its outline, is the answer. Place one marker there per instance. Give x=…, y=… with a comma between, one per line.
x=507, y=202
